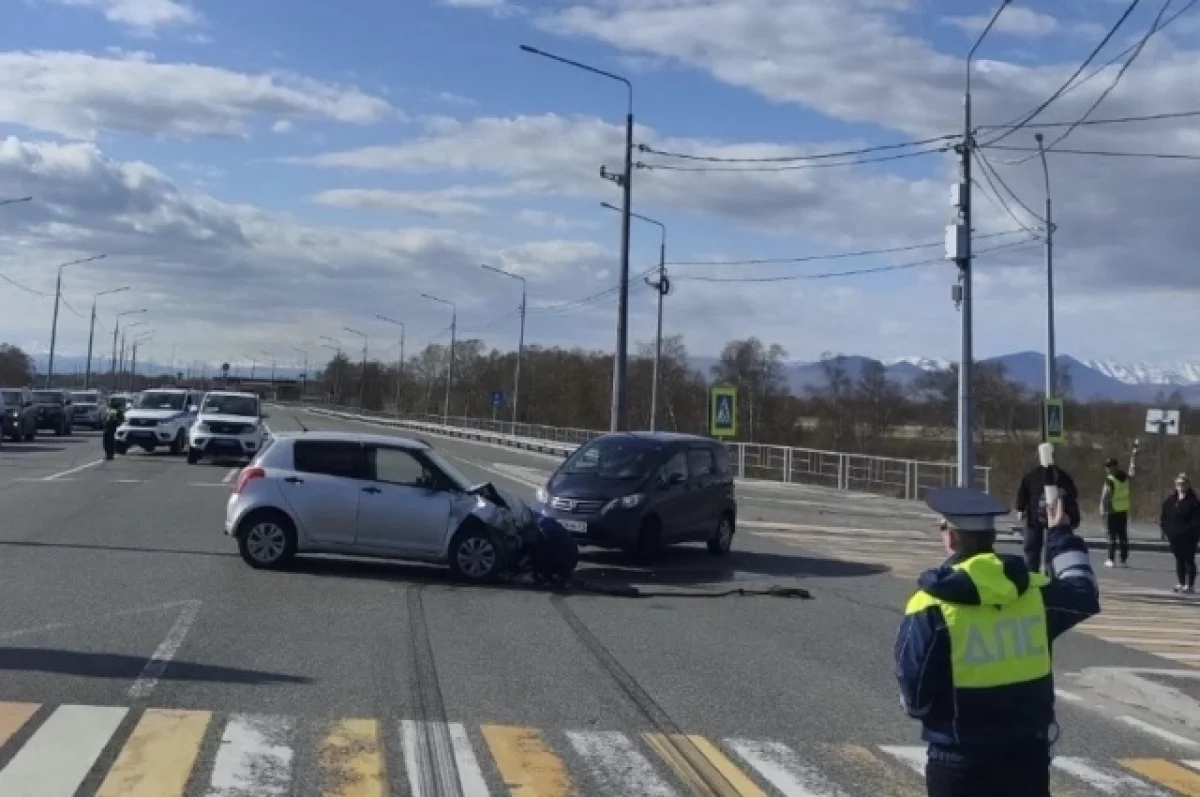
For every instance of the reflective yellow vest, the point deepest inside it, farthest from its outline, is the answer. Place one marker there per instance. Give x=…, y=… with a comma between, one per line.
x=1003, y=640
x=1120, y=494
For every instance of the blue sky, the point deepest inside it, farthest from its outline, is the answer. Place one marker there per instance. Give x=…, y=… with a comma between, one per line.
x=446, y=146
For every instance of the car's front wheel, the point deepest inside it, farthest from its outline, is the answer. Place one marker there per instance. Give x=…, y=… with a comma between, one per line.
x=722, y=539
x=474, y=555
x=267, y=540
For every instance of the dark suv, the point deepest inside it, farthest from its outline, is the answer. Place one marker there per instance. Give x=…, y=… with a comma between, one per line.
x=54, y=411
x=643, y=490
x=20, y=414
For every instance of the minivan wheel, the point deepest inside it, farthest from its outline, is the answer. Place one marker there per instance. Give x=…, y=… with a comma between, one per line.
x=474, y=555
x=267, y=540
x=722, y=539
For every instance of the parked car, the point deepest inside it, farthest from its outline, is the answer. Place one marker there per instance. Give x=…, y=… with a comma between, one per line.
x=55, y=411
x=159, y=417
x=643, y=490
x=19, y=421
x=229, y=425
x=89, y=408
x=372, y=495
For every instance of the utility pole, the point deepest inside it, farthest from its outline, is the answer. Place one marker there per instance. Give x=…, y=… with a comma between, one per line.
x=400, y=360
x=87, y=373
x=1051, y=364
x=304, y=374
x=362, y=381
x=450, y=364
x=520, y=340
x=54, y=322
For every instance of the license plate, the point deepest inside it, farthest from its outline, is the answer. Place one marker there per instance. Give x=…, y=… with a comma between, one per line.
x=574, y=525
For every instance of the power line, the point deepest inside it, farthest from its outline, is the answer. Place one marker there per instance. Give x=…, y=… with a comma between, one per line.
x=67, y=305
x=850, y=272
x=1063, y=88
x=993, y=177
x=574, y=304
x=792, y=166
x=1154, y=117
x=792, y=158
x=833, y=255
x=1105, y=153
x=25, y=288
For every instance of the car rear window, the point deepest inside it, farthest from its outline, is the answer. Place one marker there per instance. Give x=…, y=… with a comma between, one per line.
x=331, y=458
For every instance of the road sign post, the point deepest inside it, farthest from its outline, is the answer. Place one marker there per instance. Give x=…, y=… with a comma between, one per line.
x=497, y=403
x=1053, y=421
x=722, y=411
x=1161, y=423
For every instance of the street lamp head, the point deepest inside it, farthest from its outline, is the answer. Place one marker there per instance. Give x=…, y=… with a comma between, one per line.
x=610, y=206
x=533, y=50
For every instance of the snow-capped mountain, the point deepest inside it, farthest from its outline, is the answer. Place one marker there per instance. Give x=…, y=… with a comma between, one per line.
x=924, y=363
x=1146, y=373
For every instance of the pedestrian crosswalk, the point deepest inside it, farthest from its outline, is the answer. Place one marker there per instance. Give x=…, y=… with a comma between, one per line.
x=111, y=751
x=1153, y=621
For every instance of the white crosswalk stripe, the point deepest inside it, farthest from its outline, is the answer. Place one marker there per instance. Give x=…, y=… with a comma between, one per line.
x=54, y=762
x=254, y=759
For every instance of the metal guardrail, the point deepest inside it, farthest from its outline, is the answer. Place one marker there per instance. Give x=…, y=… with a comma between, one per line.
x=898, y=478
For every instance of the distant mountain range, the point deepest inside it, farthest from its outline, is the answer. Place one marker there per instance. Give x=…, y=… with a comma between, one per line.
x=75, y=364
x=1091, y=380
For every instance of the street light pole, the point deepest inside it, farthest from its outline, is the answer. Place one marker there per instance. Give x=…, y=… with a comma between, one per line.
x=400, y=361
x=337, y=376
x=87, y=371
x=304, y=376
x=618, y=417
x=362, y=380
x=123, y=335
x=133, y=358
x=450, y=364
x=273, y=360
x=54, y=323
x=113, y=362
x=520, y=340
x=1051, y=364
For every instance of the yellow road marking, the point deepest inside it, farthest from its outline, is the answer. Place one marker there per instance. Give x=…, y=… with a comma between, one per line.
x=529, y=767
x=701, y=766
x=158, y=758
x=13, y=716
x=352, y=761
x=1166, y=773
x=886, y=780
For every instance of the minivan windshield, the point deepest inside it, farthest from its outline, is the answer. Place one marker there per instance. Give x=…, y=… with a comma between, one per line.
x=160, y=400
x=229, y=404
x=47, y=397
x=86, y=397
x=615, y=458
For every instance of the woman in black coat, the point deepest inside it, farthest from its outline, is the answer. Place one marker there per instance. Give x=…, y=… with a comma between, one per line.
x=1180, y=522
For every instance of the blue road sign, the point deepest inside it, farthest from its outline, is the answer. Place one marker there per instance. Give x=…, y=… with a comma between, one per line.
x=497, y=399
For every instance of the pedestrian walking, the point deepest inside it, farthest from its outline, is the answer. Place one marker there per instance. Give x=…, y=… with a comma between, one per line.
x=973, y=654
x=1180, y=522
x=1031, y=503
x=114, y=416
x=1115, y=503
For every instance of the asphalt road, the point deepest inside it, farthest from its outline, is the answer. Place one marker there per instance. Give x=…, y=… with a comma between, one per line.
x=140, y=657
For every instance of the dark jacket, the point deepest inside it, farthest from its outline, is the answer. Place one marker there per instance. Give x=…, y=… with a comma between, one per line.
x=1000, y=718
x=1180, y=516
x=1031, y=495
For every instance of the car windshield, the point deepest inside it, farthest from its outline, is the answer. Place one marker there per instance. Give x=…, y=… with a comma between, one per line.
x=156, y=400
x=85, y=398
x=218, y=404
x=615, y=458
x=446, y=467
x=47, y=397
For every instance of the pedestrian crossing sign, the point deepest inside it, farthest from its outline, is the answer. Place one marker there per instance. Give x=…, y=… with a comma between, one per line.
x=722, y=411
x=1052, y=421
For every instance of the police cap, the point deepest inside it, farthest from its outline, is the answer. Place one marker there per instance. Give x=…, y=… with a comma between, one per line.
x=966, y=509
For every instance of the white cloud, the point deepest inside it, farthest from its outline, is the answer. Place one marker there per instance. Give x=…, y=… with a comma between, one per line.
x=143, y=16
x=80, y=95
x=499, y=8
x=420, y=203
x=1015, y=21
x=282, y=126
x=549, y=220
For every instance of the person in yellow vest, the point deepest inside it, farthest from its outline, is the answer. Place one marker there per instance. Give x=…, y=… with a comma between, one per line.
x=1115, y=503
x=974, y=651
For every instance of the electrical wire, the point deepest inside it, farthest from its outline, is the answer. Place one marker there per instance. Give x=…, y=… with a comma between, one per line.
x=850, y=272
x=1106, y=153
x=793, y=166
x=25, y=288
x=992, y=177
x=792, y=158
x=834, y=255
x=66, y=304
x=1029, y=117
x=574, y=304
x=1154, y=117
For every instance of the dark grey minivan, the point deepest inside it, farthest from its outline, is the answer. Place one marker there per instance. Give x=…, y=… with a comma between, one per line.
x=642, y=490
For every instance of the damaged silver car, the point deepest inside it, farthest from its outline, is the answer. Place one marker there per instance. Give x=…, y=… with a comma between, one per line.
x=373, y=495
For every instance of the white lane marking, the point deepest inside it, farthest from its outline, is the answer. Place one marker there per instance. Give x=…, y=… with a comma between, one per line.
x=56, y=759
x=469, y=773
x=617, y=766
x=427, y=765
x=1070, y=697
x=254, y=759
x=1161, y=733
x=1178, y=656
x=55, y=476
x=783, y=769
x=37, y=479
x=1193, y=764
x=911, y=756
x=229, y=476
x=126, y=481
x=1146, y=640
x=165, y=652
x=91, y=620
x=1106, y=781
x=207, y=484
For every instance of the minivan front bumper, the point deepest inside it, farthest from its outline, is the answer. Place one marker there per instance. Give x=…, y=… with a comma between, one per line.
x=616, y=528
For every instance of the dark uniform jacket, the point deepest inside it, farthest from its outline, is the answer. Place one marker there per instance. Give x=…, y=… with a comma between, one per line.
x=994, y=718
x=1031, y=495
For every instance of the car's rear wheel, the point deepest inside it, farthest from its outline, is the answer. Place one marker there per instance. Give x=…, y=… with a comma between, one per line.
x=474, y=555
x=722, y=538
x=267, y=540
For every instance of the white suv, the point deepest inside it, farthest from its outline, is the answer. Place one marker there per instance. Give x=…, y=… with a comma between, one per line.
x=229, y=425
x=159, y=417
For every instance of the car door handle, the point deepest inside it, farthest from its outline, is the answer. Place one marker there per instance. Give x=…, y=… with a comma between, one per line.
x=294, y=480
x=372, y=490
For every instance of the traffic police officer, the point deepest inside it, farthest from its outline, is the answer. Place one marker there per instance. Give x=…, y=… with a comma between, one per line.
x=113, y=418
x=973, y=655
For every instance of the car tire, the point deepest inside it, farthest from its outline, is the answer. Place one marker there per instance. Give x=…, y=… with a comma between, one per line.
x=722, y=538
x=474, y=554
x=193, y=456
x=649, y=538
x=31, y=435
x=178, y=444
x=267, y=540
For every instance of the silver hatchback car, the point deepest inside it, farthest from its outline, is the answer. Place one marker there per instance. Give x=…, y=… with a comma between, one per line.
x=370, y=495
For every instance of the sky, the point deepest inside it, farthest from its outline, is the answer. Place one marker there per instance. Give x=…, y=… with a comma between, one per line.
x=261, y=176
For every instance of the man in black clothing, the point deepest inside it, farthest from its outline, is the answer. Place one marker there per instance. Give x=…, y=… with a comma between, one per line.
x=1031, y=503
x=113, y=418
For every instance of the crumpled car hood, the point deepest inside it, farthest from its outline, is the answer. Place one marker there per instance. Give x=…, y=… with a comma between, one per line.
x=514, y=524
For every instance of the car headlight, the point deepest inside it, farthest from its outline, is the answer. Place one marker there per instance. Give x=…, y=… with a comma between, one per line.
x=624, y=502
x=542, y=495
